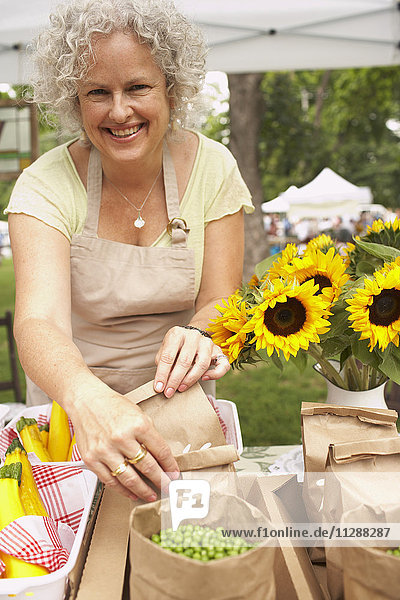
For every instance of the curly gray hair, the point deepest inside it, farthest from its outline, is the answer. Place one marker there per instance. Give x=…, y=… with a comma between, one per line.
x=62, y=53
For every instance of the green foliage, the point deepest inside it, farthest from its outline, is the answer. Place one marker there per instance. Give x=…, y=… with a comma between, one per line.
x=7, y=293
x=217, y=125
x=6, y=188
x=336, y=118
x=269, y=401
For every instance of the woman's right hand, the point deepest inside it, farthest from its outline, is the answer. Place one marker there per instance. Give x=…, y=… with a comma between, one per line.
x=109, y=428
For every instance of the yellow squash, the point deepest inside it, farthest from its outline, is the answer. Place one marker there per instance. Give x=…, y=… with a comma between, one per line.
x=59, y=434
x=29, y=494
x=11, y=508
x=44, y=434
x=71, y=447
x=31, y=439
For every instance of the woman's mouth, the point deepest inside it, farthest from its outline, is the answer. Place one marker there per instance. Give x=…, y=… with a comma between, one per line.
x=125, y=133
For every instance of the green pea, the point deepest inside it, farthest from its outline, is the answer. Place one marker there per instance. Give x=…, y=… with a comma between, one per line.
x=200, y=542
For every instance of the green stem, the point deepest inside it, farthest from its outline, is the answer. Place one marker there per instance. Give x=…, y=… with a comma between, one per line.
x=373, y=378
x=348, y=377
x=327, y=369
x=351, y=361
x=365, y=372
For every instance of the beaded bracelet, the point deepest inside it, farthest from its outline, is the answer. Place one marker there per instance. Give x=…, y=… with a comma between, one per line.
x=205, y=333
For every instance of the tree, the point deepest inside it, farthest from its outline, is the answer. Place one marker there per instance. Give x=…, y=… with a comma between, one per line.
x=285, y=127
x=246, y=110
x=316, y=119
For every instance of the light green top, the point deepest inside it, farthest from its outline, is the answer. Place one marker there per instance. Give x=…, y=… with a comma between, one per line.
x=50, y=190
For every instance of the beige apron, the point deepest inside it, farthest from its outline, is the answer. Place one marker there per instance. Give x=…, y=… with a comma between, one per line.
x=124, y=297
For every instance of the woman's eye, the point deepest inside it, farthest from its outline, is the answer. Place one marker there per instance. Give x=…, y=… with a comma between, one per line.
x=139, y=87
x=98, y=92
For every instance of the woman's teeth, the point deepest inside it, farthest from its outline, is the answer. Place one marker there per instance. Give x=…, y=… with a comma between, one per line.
x=125, y=132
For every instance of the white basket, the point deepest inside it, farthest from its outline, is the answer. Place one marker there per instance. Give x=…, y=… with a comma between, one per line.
x=53, y=585
x=4, y=410
x=230, y=417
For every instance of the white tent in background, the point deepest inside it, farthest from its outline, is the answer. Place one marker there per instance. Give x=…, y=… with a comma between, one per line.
x=327, y=195
x=251, y=36
x=277, y=205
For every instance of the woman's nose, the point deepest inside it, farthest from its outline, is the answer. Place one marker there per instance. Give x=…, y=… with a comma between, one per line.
x=120, y=109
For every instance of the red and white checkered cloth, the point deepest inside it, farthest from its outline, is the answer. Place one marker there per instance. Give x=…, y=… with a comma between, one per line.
x=42, y=415
x=48, y=540
x=213, y=403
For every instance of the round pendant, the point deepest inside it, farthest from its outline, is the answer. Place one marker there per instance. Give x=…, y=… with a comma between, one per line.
x=139, y=222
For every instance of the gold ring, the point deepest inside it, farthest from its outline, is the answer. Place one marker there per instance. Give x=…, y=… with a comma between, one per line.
x=120, y=469
x=139, y=455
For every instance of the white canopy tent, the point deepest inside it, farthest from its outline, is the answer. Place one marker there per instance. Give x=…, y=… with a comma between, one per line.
x=251, y=36
x=327, y=195
x=277, y=205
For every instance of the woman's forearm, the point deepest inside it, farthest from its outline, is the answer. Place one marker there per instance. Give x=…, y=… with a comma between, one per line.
x=203, y=315
x=50, y=358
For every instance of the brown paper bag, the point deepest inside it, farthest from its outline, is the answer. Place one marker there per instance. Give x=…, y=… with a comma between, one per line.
x=294, y=575
x=325, y=424
x=370, y=574
x=112, y=527
x=159, y=574
x=361, y=488
x=186, y=418
x=363, y=481
x=215, y=465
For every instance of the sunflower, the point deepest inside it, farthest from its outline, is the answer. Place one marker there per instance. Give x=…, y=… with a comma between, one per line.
x=387, y=234
x=289, y=318
x=378, y=226
x=375, y=308
x=327, y=271
x=346, y=250
x=226, y=330
x=254, y=281
x=283, y=265
x=322, y=242
x=389, y=266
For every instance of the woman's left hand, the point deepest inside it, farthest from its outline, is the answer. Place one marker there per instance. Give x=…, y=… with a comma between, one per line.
x=185, y=356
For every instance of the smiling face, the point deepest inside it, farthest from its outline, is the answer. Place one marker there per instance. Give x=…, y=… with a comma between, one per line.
x=123, y=100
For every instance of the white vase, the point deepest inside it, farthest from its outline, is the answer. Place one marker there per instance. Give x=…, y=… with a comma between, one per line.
x=374, y=398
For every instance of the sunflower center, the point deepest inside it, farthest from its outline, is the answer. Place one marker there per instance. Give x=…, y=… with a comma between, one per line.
x=321, y=280
x=285, y=318
x=385, y=308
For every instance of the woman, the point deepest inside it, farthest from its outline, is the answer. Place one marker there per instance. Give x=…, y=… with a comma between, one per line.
x=123, y=244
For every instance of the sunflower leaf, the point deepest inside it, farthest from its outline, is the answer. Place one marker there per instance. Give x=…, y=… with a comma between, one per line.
x=390, y=365
x=277, y=361
x=299, y=361
x=365, y=268
x=339, y=324
x=386, y=253
x=262, y=267
x=335, y=345
x=344, y=355
x=361, y=351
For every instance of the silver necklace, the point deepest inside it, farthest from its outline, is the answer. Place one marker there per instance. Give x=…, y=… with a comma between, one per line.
x=139, y=221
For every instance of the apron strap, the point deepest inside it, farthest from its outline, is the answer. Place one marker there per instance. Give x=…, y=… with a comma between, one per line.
x=176, y=227
x=94, y=185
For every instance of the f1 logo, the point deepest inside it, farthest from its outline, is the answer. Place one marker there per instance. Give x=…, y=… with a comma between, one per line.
x=189, y=499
